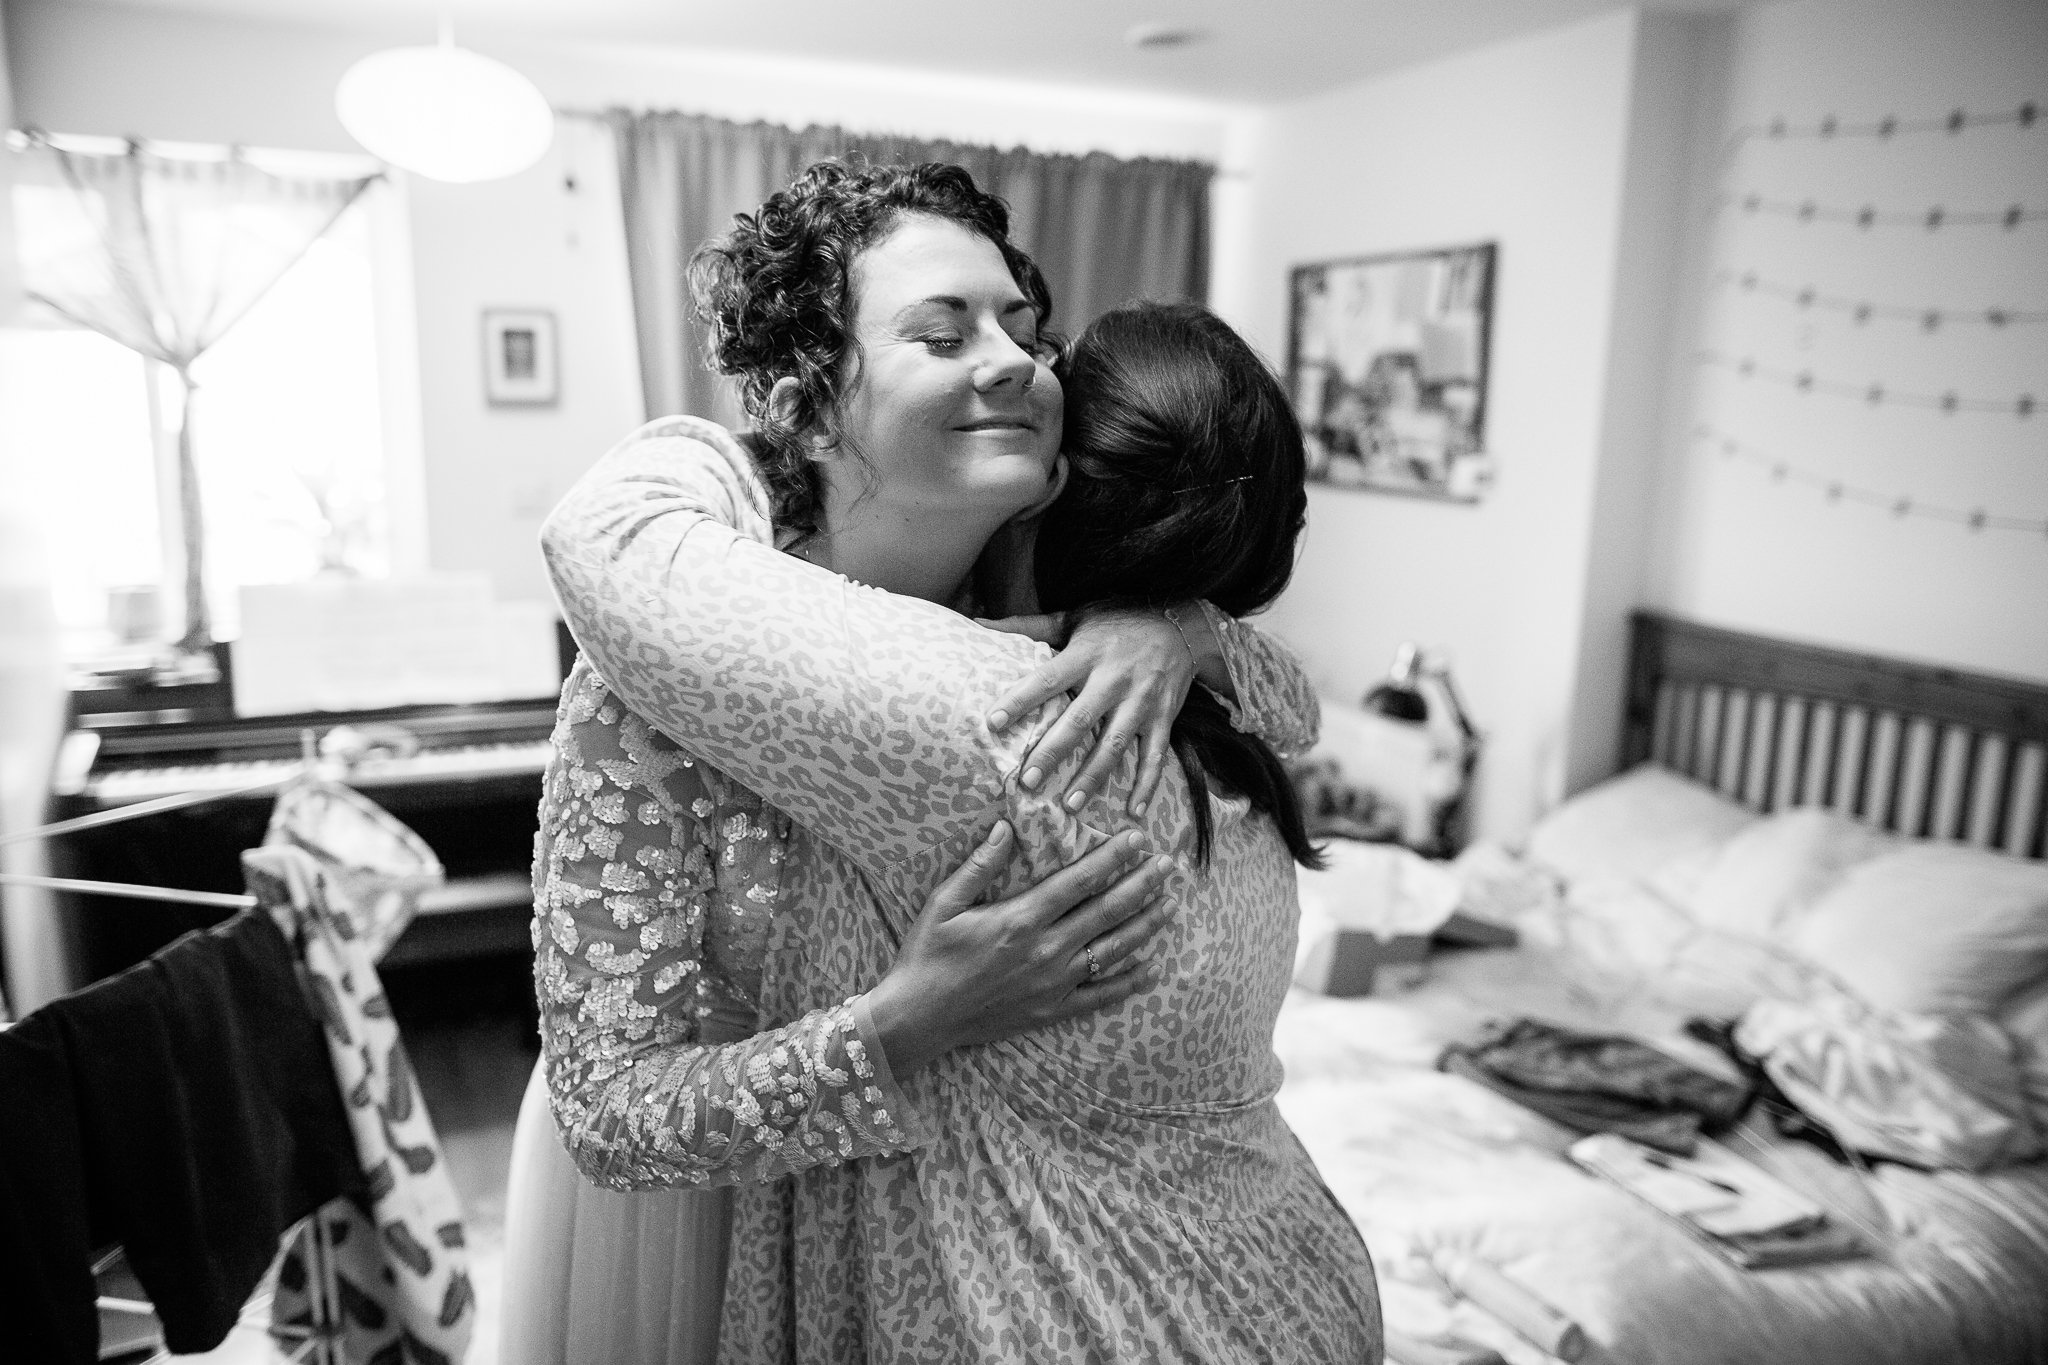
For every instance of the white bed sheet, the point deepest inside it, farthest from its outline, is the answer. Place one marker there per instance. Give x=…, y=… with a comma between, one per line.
x=1425, y=1160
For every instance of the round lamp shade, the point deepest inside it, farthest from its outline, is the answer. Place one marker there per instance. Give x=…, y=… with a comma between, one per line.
x=445, y=113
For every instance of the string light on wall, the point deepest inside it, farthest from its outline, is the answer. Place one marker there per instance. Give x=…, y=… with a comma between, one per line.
x=1869, y=215
x=1861, y=311
x=1837, y=491
x=2025, y=116
x=1805, y=381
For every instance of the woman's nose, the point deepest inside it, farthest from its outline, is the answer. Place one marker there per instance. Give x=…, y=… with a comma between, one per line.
x=1004, y=361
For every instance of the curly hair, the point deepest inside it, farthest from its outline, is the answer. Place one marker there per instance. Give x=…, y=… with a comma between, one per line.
x=776, y=292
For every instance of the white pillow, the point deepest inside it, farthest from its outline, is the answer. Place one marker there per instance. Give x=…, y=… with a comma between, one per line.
x=2026, y=1019
x=1633, y=824
x=1770, y=872
x=1931, y=928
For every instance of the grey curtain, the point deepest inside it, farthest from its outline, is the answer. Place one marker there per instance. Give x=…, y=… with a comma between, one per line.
x=1104, y=230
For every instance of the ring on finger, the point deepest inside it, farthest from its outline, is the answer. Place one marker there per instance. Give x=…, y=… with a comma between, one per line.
x=1094, y=967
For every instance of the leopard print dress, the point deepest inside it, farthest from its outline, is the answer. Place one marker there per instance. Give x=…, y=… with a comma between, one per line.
x=1116, y=1187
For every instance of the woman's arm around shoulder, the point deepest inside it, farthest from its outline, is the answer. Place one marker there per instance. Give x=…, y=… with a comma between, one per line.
x=858, y=712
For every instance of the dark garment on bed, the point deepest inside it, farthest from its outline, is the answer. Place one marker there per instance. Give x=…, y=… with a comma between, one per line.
x=185, y=1109
x=1600, y=1083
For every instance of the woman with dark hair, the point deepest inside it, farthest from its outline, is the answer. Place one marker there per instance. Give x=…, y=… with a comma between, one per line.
x=1118, y=1184
x=891, y=350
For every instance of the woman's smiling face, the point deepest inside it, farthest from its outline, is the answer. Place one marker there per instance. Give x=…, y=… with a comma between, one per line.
x=949, y=402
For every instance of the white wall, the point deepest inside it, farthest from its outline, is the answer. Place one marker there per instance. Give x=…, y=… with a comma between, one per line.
x=1535, y=144
x=526, y=241
x=1737, y=547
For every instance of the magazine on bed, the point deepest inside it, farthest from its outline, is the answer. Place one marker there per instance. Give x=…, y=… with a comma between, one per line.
x=1735, y=1207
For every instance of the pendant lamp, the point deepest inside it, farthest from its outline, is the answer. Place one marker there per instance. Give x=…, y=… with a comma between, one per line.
x=445, y=112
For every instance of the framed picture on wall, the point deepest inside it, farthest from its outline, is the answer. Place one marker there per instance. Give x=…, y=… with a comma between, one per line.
x=1386, y=362
x=521, y=367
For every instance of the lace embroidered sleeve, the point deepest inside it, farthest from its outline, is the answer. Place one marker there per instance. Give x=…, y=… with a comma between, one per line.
x=640, y=851
x=1275, y=699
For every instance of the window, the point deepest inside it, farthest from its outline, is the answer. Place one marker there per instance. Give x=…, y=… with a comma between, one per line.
x=290, y=438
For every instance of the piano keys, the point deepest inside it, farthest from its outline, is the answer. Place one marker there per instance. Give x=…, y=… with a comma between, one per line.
x=466, y=778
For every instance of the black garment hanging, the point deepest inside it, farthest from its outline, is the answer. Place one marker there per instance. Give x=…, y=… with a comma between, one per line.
x=185, y=1109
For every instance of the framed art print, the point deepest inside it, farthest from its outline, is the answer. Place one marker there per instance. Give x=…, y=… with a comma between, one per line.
x=521, y=366
x=1386, y=364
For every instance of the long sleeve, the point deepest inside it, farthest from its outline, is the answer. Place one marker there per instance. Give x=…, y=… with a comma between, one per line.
x=654, y=876
x=857, y=712
x=1275, y=699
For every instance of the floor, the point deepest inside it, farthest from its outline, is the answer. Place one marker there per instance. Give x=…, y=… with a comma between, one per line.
x=468, y=1028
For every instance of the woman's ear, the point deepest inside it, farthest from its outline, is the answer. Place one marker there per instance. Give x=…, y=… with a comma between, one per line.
x=1055, y=484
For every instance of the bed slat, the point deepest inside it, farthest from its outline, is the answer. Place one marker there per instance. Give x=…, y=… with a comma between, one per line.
x=1762, y=746
x=1987, y=790
x=2023, y=809
x=1822, y=726
x=1951, y=783
x=1729, y=762
x=1916, y=778
x=1708, y=747
x=1851, y=757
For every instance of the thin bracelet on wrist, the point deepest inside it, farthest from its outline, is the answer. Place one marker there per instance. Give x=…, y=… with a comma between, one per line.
x=1172, y=615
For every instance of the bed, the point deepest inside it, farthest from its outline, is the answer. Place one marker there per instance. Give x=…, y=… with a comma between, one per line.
x=1736, y=749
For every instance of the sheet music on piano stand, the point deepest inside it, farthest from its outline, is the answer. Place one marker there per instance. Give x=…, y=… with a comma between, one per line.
x=360, y=644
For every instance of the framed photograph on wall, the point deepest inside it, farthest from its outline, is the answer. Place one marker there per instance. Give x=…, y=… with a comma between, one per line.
x=521, y=366
x=1386, y=362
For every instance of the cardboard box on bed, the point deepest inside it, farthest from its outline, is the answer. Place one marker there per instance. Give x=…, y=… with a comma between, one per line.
x=1363, y=963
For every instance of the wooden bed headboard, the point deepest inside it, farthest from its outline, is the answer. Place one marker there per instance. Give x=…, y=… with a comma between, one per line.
x=1925, y=751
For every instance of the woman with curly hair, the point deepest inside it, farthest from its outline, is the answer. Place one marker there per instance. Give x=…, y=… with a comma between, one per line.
x=676, y=908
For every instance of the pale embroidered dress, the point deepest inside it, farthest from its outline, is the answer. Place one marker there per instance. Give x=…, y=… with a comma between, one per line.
x=1118, y=1187
x=657, y=879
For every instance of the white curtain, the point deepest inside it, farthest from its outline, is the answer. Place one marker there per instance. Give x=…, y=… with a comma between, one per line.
x=163, y=253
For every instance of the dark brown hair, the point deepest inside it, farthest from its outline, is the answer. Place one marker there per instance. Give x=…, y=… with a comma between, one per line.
x=776, y=292
x=1185, y=481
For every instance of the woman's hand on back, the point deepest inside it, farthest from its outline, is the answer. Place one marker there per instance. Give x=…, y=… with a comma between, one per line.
x=1132, y=669
x=1071, y=945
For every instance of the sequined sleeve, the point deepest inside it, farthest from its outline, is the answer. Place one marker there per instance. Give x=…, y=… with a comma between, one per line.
x=1275, y=699
x=643, y=855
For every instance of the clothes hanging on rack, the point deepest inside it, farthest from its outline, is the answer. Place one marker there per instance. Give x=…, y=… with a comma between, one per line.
x=402, y=1264
x=185, y=1109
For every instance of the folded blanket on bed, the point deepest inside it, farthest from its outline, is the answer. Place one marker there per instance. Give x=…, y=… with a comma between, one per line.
x=1599, y=1083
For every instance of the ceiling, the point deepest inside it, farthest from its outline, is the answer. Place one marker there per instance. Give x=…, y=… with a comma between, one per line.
x=1256, y=51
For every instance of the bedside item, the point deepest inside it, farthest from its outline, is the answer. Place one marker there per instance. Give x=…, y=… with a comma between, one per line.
x=1731, y=1205
x=1368, y=916
x=1398, y=766
x=1486, y=1284
x=1403, y=1349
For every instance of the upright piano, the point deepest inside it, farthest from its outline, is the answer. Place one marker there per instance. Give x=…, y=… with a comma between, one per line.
x=466, y=778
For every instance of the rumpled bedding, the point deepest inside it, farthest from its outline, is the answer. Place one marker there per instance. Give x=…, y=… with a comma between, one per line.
x=1427, y=1162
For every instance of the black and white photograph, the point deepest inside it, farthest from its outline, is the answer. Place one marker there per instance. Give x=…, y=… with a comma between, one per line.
x=521, y=368
x=1386, y=360
x=1162, y=683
